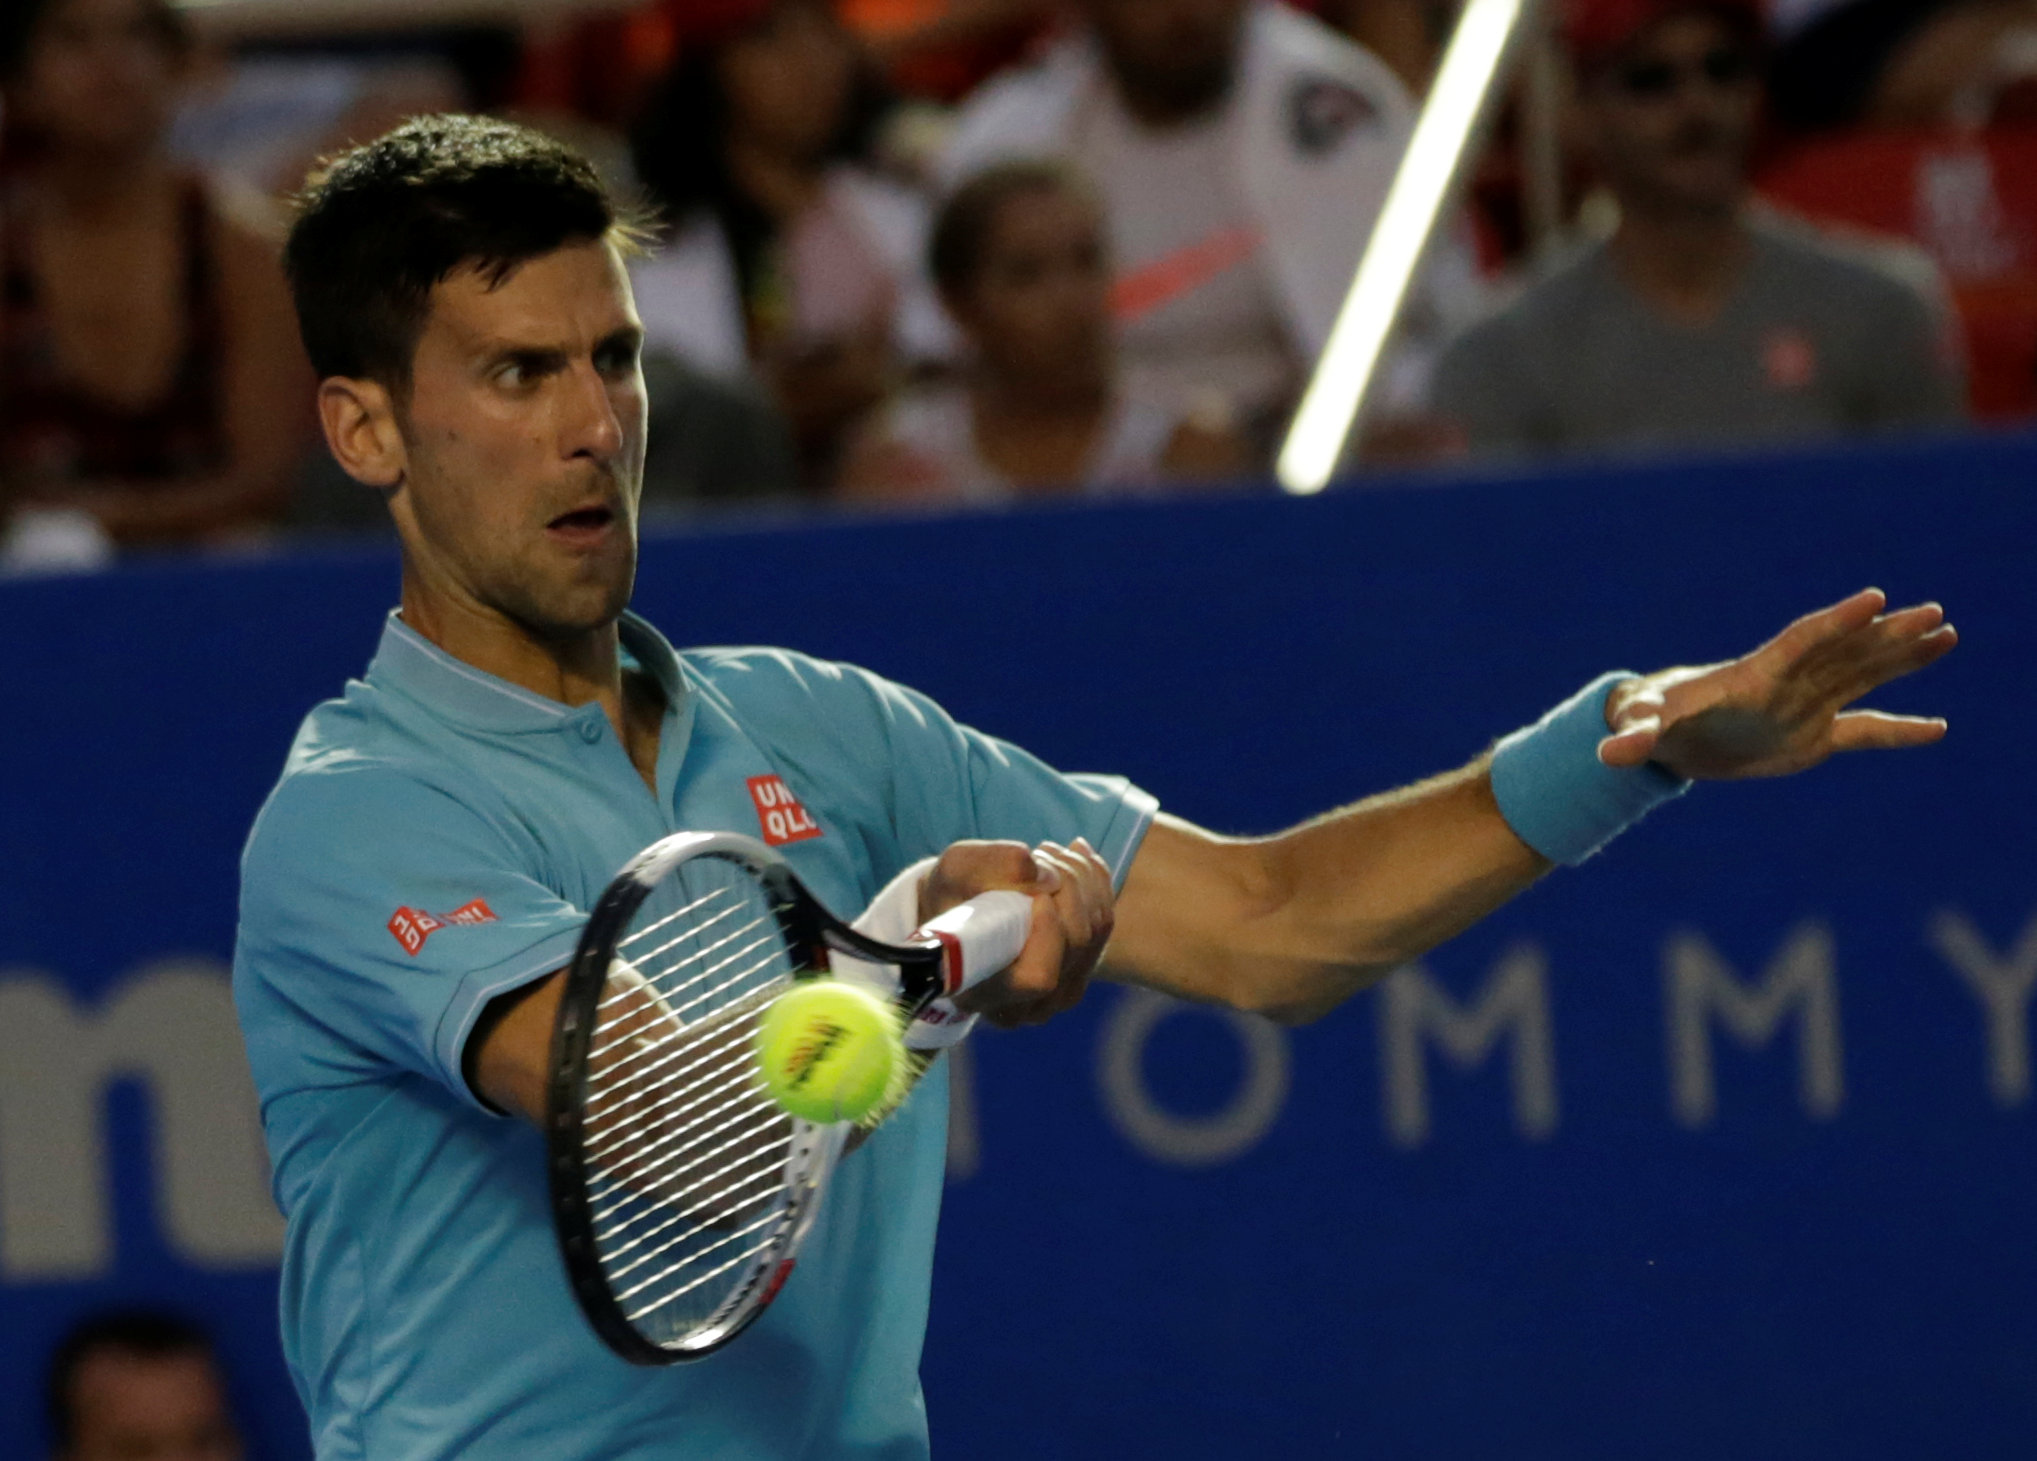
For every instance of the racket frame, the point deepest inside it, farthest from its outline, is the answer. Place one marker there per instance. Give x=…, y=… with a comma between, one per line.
x=812, y=934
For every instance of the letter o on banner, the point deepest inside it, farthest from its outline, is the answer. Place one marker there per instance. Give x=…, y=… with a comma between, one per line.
x=1184, y=1141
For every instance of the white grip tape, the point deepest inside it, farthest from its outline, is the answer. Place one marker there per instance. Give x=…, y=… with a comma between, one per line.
x=980, y=939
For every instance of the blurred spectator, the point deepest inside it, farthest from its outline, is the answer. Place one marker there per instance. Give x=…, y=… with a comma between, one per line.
x=786, y=252
x=138, y=1384
x=1699, y=320
x=1243, y=151
x=942, y=48
x=1019, y=257
x=714, y=442
x=150, y=373
x=265, y=121
x=1905, y=63
x=1408, y=35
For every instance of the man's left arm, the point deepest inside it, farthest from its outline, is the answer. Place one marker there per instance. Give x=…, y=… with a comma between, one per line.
x=1293, y=924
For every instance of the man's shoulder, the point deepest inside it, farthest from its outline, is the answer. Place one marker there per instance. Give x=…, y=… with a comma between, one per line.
x=1544, y=305
x=761, y=682
x=1864, y=270
x=351, y=767
x=761, y=668
x=1020, y=112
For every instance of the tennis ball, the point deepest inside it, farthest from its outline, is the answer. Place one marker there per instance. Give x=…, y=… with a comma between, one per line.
x=829, y=1051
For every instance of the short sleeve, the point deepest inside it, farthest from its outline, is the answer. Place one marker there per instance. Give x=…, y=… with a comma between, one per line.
x=386, y=913
x=951, y=782
x=905, y=767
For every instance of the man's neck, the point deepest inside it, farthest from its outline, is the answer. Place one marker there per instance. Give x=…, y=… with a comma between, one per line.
x=577, y=669
x=1684, y=263
x=1042, y=404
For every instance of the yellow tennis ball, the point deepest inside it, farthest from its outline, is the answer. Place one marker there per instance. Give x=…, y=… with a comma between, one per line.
x=829, y=1051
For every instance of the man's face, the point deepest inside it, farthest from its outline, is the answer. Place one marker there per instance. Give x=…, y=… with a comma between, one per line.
x=99, y=76
x=1671, y=120
x=1039, y=306
x=1174, y=56
x=523, y=437
x=130, y=1407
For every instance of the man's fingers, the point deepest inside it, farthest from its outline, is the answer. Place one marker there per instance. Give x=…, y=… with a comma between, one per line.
x=1633, y=745
x=1823, y=627
x=1885, y=634
x=1637, y=714
x=1890, y=659
x=1033, y=976
x=1877, y=730
x=1072, y=920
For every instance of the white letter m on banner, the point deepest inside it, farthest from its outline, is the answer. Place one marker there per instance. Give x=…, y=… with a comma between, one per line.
x=1800, y=979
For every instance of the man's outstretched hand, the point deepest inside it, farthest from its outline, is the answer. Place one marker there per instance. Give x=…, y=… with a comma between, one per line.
x=1783, y=708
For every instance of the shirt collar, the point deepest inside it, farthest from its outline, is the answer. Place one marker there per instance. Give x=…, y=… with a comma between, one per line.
x=408, y=663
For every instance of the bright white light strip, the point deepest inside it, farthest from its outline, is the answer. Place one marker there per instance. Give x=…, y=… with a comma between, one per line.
x=1421, y=188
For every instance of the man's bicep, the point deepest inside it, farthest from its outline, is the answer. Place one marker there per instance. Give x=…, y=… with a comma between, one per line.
x=507, y=1062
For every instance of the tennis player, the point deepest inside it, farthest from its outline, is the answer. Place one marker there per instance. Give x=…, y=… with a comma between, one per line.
x=423, y=868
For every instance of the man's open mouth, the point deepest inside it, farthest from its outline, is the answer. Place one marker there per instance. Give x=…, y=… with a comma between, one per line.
x=583, y=520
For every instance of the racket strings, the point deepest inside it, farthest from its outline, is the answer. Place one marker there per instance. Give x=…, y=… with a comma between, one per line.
x=641, y=1242
x=760, y=941
x=657, y=1177
x=684, y=1094
x=697, y=1280
x=669, y=1061
x=691, y=1166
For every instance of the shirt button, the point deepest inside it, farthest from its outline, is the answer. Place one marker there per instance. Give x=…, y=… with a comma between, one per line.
x=590, y=731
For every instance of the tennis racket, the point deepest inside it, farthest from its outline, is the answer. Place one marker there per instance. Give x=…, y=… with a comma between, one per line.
x=680, y=1190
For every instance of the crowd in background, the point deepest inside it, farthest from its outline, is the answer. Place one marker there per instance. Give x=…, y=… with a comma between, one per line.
x=968, y=251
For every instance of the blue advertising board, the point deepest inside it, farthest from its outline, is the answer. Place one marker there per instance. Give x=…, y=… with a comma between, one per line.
x=1719, y=1145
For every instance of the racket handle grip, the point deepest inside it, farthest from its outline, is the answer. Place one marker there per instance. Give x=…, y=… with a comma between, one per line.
x=979, y=939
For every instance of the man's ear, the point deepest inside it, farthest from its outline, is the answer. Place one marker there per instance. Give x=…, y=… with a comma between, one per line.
x=360, y=427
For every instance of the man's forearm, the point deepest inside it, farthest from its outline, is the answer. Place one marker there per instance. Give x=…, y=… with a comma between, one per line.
x=1292, y=925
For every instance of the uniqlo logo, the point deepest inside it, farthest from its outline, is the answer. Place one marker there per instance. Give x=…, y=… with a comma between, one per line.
x=1789, y=359
x=412, y=926
x=779, y=812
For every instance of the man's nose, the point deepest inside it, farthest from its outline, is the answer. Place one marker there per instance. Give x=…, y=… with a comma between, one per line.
x=592, y=427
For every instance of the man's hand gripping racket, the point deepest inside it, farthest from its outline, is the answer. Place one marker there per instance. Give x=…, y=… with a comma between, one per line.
x=681, y=1185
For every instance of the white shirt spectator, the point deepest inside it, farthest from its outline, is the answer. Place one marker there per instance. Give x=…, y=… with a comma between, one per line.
x=1292, y=171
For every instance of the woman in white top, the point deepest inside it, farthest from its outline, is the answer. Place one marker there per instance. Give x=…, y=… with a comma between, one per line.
x=786, y=254
x=1019, y=258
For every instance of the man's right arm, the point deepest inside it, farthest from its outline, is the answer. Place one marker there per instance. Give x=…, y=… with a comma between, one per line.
x=509, y=1055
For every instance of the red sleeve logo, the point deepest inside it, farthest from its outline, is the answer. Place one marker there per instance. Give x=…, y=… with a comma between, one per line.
x=412, y=926
x=779, y=813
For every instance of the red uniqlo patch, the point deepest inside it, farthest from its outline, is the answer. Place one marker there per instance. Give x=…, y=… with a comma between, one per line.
x=412, y=926
x=1789, y=359
x=779, y=812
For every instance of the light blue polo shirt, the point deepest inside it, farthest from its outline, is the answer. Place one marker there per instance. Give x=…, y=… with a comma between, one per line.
x=436, y=839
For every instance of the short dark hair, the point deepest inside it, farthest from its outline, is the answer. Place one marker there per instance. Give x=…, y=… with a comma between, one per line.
x=21, y=19
x=962, y=228
x=147, y=1333
x=378, y=228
